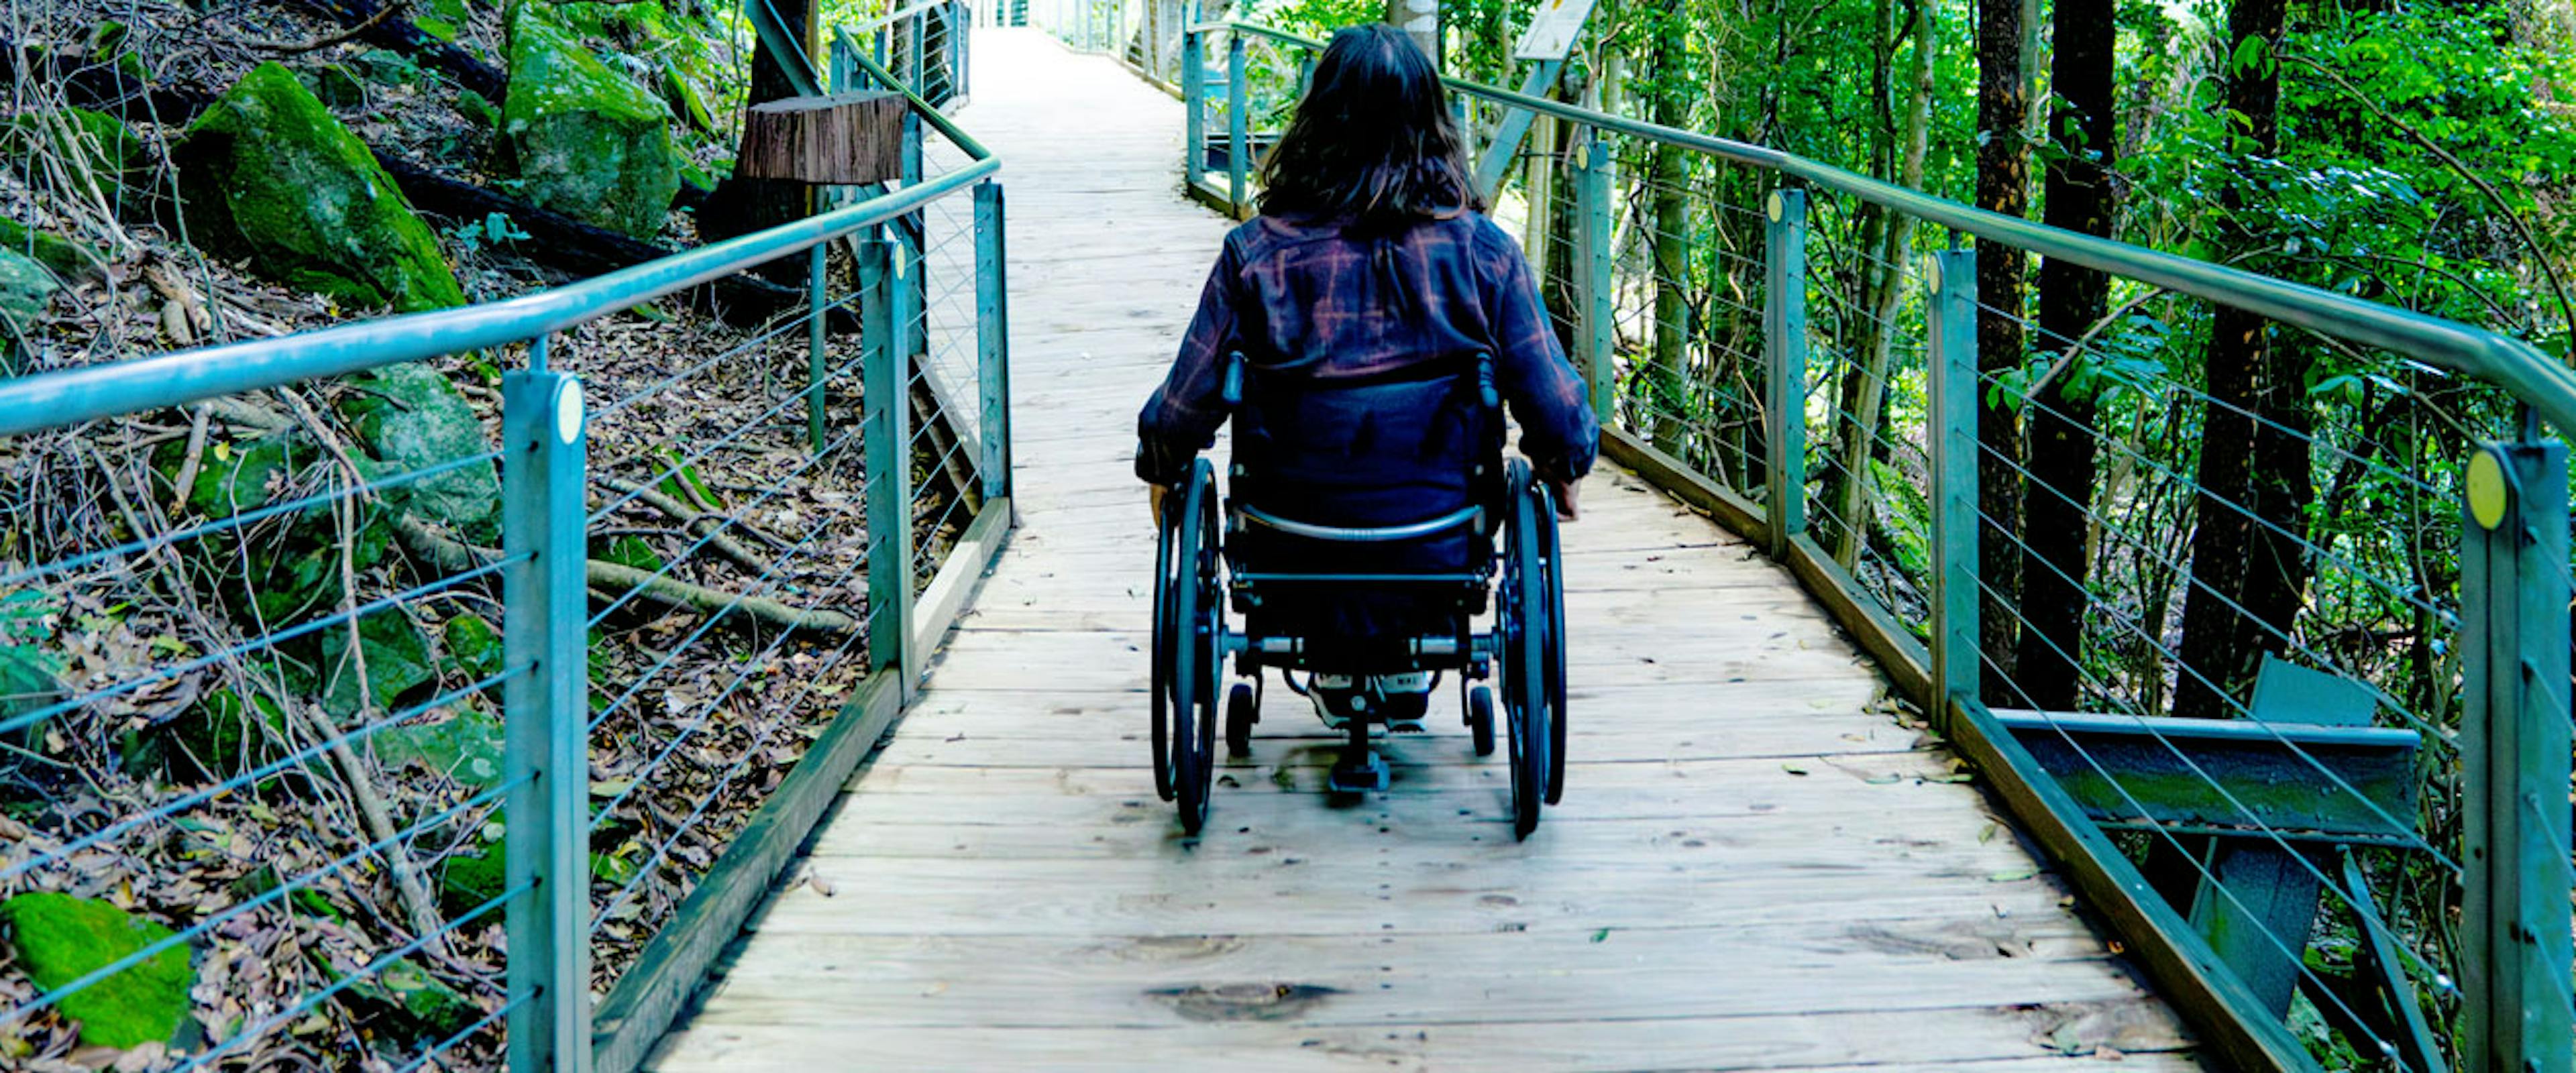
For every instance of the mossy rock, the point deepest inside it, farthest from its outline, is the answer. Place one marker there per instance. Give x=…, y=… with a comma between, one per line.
x=28, y=683
x=60, y=938
x=91, y=146
x=586, y=141
x=423, y=1006
x=69, y=260
x=26, y=287
x=478, y=109
x=296, y=574
x=412, y=419
x=467, y=747
x=474, y=645
x=221, y=736
x=268, y=174
x=396, y=657
x=470, y=878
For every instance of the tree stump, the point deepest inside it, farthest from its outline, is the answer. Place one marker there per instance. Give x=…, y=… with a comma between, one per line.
x=847, y=139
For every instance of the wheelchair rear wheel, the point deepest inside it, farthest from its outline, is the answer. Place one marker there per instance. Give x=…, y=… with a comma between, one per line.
x=1198, y=648
x=1525, y=628
x=1551, y=553
x=1166, y=631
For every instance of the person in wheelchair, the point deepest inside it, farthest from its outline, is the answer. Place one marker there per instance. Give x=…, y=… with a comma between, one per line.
x=1359, y=332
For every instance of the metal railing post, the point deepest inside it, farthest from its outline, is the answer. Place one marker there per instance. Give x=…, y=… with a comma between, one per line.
x=1238, y=125
x=1193, y=106
x=1952, y=288
x=546, y=711
x=912, y=28
x=1784, y=352
x=817, y=294
x=1595, y=347
x=886, y=432
x=993, y=339
x=2514, y=934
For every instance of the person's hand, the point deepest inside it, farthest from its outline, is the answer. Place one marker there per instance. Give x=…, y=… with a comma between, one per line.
x=1564, y=491
x=1154, y=494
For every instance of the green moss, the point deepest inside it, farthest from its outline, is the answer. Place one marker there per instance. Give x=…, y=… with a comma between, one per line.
x=588, y=142
x=474, y=645
x=268, y=174
x=69, y=260
x=471, y=878
x=60, y=939
x=25, y=288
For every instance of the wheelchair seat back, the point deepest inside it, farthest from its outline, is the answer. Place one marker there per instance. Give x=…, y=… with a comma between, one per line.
x=1369, y=454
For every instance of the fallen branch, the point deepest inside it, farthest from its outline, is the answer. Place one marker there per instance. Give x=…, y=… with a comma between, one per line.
x=455, y=556
x=293, y=48
x=692, y=520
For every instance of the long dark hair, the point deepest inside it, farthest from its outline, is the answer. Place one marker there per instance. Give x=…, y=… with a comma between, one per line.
x=1372, y=142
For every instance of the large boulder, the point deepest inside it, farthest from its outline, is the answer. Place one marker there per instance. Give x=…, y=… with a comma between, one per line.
x=60, y=938
x=412, y=419
x=268, y=174
x=588, y=142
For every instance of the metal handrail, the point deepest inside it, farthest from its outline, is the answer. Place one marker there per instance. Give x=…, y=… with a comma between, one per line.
x=73, y=396
x=2548, y=385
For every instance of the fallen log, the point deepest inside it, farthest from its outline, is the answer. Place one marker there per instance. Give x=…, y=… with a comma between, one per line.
x=376, y=26
x=559, y=241
x=103, y=87
x=617, y=579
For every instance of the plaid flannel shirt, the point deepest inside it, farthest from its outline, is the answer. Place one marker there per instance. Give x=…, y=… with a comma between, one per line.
x=1307, y=295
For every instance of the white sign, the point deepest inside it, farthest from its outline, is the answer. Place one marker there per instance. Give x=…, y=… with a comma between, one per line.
x=1552, y=32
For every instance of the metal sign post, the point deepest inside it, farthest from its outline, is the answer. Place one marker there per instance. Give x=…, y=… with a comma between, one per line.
x=1550, y=38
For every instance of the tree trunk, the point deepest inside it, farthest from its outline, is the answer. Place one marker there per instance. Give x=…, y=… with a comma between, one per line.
x=1666, y=408
x=2248, y=568
x=741, y=205
x=2003, y=185
x=2056, y=504
x=1867, y=388
x=1420, y=20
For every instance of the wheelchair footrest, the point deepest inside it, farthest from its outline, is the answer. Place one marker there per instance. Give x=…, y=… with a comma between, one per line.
x=1363, y=774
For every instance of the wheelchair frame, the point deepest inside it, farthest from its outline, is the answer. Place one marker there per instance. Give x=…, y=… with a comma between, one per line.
x=1192, y=638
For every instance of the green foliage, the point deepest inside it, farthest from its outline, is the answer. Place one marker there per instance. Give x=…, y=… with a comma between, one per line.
x=60, y=939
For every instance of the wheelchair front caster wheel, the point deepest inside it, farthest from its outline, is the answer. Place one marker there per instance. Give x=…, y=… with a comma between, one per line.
x=1480, y=719
x=1241, y=711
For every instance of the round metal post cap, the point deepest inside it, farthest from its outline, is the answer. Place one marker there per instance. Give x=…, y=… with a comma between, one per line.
x=568, y=413
x=2490, y=490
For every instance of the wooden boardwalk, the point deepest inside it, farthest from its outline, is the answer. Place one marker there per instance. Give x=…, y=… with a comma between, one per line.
x=1755, y=865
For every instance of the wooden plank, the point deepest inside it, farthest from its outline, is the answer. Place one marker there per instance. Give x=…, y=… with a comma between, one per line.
x=967, y=561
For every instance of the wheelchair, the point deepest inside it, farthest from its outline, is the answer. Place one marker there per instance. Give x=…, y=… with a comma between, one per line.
x=1246, y=553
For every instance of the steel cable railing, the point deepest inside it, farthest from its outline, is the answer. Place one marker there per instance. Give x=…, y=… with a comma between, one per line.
x=2278, y=675
x=251, y=678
